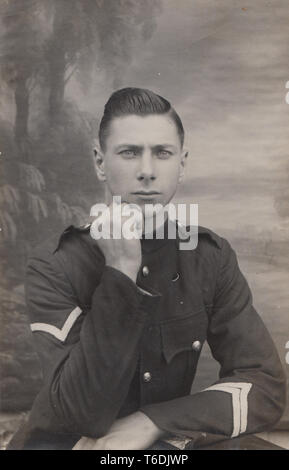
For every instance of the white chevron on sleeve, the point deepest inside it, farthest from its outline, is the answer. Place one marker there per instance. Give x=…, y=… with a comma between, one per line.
x=62, y=333
x=239, y=392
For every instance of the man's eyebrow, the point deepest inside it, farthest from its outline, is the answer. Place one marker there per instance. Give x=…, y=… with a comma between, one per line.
x=162, y=146
x=128, y=146
x=140, y=147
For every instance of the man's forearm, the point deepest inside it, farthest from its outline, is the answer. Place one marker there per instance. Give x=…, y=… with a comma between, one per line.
x=134, y=432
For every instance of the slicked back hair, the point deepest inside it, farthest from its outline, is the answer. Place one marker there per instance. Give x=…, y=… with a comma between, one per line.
x=140, y=102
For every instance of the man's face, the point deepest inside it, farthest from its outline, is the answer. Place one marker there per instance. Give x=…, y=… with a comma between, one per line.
x=143, y=159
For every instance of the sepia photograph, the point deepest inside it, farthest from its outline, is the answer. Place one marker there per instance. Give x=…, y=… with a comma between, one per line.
x=144, y=226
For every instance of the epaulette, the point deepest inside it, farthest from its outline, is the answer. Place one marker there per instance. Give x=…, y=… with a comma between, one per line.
x=84, y=227
x=72, y=229
x=203, y=232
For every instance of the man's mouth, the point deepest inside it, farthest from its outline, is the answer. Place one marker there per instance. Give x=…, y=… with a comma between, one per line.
x=146, y=193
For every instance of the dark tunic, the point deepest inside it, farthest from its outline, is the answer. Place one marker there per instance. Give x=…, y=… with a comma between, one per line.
x=108, y=348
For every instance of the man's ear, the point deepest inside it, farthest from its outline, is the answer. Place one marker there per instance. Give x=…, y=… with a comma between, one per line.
x=98, y=160
x=184, y=157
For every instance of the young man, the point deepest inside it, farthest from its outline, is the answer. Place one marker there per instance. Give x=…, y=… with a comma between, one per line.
x=119, y=324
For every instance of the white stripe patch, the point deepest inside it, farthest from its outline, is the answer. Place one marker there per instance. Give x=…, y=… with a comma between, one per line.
x=239, y=392
x=62, y=333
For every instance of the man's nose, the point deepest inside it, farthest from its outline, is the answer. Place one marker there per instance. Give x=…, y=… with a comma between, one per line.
x=146, y=169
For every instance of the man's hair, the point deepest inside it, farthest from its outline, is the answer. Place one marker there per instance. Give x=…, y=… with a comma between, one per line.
x=136, y=101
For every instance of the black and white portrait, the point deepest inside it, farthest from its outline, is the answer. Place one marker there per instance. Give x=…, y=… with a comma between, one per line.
x=144, y=224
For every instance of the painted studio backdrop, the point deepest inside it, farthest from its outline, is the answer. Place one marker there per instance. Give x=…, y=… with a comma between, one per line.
x=223, y=64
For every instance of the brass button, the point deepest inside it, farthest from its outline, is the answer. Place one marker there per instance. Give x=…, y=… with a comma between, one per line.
x=196, y=345
x=147, y=377
x=145, y=271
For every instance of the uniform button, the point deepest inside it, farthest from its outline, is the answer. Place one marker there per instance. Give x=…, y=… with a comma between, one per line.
x=145, y=271
x=147, y=377
x=196, y=345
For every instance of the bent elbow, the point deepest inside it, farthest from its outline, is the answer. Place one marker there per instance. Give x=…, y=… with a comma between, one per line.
x=280, y=402
x=275, y=403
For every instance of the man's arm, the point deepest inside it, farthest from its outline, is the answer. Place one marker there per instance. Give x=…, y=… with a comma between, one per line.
x=133, y=432
x=250, y=395
x=90, y=358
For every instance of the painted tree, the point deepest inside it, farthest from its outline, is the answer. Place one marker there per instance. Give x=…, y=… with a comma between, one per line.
x=90, y=32
x=22, y=47
x=46, y=43
x=21, y=58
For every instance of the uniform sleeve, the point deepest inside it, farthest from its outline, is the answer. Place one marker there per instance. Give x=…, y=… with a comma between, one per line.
x=88, y=355
x=250, y=394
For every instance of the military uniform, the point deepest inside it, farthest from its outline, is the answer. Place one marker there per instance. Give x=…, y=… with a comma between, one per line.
x=109, y=347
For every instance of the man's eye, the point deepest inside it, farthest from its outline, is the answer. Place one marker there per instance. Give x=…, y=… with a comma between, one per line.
x=164, y=154
x=128, y=153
